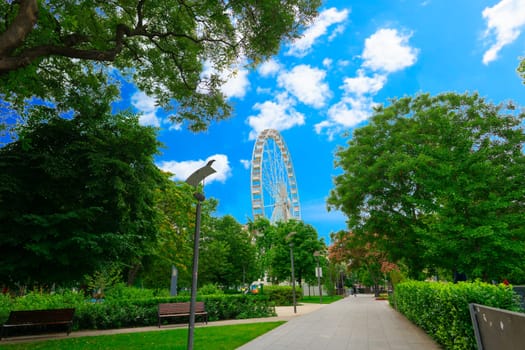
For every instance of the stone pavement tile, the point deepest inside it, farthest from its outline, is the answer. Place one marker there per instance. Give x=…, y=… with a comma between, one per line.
x=360, y=323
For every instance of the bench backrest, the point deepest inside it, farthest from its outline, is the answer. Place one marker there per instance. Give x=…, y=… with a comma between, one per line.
x=497, y=329
x=180, y=308
x=40, y=316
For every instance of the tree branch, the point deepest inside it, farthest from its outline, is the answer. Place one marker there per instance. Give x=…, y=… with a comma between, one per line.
x=27, y=17
x=21, y=26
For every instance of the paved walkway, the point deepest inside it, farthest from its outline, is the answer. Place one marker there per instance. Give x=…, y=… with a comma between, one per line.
x=354, y=323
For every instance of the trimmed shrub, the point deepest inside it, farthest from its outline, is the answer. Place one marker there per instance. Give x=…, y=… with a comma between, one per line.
x=282, y=295
x=36, y=300
x=210, y=289
x=116, y=312
x=441, y=309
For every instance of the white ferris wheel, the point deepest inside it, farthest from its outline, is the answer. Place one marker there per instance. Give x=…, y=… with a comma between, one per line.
x=273, y=184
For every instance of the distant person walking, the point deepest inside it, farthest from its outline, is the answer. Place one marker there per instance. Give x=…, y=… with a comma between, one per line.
x=354, y=290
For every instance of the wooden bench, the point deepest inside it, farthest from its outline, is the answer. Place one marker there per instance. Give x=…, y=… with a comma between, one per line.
x=168, y=310
x=29, y=319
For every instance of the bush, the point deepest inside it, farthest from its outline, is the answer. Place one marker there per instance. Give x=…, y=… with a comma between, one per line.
x=37, y=300
x=116, y=314
x=120, y=291
x=137, y=311
x=282, y=295
x=441, y=309
x=210, y=289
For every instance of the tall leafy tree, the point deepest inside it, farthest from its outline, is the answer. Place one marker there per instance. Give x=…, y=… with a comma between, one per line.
x=75, y=194
x=305, y=241
x=173, y=247
x=51, y=49
x=227, y=254
x=264, y=236
x=434, y=182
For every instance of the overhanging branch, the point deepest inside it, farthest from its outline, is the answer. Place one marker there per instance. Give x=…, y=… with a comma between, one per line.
x=21, y=26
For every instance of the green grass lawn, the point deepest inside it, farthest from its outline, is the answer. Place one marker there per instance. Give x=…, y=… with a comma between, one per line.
x=326, y=299
x=215, y=338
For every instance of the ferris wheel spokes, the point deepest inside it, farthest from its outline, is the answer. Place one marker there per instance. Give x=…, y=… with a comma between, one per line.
x=273, y=183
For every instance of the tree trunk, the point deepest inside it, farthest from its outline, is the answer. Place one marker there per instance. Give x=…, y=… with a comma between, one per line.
x=132, y=273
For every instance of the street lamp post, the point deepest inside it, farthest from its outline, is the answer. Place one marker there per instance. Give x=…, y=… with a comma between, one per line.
x=290, y=235
x=319, y=273
x=194, y=180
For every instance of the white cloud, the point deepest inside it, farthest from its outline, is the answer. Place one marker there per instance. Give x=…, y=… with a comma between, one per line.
x=147, y=108
x=338, y=30
x=504, y=21
x=351, y=111
x=279, y=114
x=269, y=68
x=387, y=50
x=345, y=114
x=326, y=18
x=362, y=84
x=236, y=83
x=182, y=170
x=306, y=84
x=235, y=79
x=246, y=163
x=175, y=126
x=355, y=106
x=327, y=62
x=343, y=63
x=261, y=90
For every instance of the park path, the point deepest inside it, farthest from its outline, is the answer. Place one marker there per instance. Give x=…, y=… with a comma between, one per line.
x=353, y=323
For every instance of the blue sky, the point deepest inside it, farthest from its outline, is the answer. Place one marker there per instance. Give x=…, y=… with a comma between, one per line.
x=356, y=54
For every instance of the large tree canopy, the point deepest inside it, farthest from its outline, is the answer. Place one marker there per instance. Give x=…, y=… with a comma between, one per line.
x=52, y=49
x=272, y=242
x=75, y=194
x=227, y=254
x=437, y=182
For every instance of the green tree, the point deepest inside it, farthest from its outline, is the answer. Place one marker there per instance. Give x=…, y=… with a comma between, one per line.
x=264, y=236
x=173, y=247
x=227, y=254
x=75, y=195
x=305, y=242
x=54, y=49
x=433, y=182
x=521, y=69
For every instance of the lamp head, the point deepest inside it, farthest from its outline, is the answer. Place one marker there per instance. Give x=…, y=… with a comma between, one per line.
x=201, y=173
x=290, y=235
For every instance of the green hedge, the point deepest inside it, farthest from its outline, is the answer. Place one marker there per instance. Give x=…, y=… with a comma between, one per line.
x=282, y=295
x=121, y=313
x=441, y=309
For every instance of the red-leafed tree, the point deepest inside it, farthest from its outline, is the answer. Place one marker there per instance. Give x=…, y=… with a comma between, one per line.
x=361, y=253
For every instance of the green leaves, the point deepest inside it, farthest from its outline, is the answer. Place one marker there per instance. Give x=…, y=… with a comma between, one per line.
x=273, y=249
x=76, y=193
x=163, y=45
x=436, y=176
x=441, y=309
